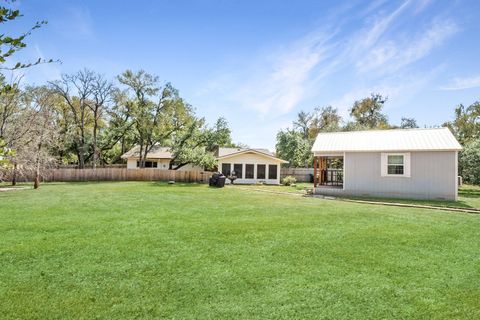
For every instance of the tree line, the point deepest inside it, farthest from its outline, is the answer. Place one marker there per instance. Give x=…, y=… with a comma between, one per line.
x=87, y=119
x=295, y=144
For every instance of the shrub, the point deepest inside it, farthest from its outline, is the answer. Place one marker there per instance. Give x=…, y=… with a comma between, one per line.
x=289, y=180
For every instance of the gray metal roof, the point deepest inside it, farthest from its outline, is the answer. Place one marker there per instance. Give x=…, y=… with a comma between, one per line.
x=438, y=139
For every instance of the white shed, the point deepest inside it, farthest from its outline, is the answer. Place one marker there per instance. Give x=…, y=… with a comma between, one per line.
x=398, y=163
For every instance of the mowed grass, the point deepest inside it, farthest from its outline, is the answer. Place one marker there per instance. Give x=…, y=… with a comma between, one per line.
x=150, y=250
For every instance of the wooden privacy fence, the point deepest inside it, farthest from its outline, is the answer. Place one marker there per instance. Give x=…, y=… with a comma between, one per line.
x=301, y=174
x=124, y=174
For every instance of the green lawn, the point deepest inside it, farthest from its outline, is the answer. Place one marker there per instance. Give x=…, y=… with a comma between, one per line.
x=151, y=250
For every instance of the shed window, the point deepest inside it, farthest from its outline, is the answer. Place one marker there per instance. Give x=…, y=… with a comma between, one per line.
x=249, y=171
x=395, y=164
x=237, y=167
x=272, y=171
x=261, y=171
x=226, y=169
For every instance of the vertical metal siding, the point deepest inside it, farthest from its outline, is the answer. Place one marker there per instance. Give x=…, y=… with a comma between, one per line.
x=433, y=176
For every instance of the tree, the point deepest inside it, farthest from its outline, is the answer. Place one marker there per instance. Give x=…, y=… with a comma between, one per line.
x=101, y=92
x=466, y=125
x=292, y=146
x=77, y=91
x=42, y=133
x=196, y=143
x=367, y=112
x=9, y=45
x=408, y=123
x=469, y=162
x=324, y=119
x=157, y=112
x=303, y=123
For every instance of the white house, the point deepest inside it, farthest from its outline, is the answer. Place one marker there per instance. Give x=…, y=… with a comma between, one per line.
x=250, y=165
x=158, y=158
x=399, y=163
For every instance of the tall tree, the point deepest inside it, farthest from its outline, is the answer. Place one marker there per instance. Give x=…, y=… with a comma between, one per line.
x=292, y=146
x=368, y=112
x=466, y=125
x=77, y=91
x=196, y=142
x=101, y=95
x=155, y=110
x=43, y=131
x=408, y=123
x=303, y=123
x=324, y=119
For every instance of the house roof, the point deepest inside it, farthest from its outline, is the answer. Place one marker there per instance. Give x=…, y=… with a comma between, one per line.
x=438, y=139
x=157, y=152
x=231, y=152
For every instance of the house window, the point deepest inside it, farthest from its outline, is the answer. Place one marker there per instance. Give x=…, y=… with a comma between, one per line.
x=395, y=164
x=249, y=171
x=148, y=164
x=260, y=171
x=272, y=171
x=237, y=167
x=226, y=169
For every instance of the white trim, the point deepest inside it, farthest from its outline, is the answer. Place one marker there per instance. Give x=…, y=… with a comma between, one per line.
x=343, y=178
x=384, y=164
x=251, y=151
x=456, y=175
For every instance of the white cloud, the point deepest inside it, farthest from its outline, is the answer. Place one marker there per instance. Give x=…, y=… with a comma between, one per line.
x=463, y=83
x=378, y=57
x=396, y=54
x=281, y=82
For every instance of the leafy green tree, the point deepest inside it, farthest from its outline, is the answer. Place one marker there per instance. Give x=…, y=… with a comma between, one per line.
x=324, y=119
x=469, y=162
x=196, y=144
x=367, y=112
x=466, y=125
x=408, y=123
x=303, y=123
x=77, y=93
x=293, y=147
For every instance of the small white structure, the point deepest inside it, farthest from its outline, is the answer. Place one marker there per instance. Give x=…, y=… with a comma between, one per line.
x=250, y=165
x=158, y=158
x=399, y=163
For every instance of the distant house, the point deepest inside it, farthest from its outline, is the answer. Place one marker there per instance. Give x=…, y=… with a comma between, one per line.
x=399, y=163
x=250, y=165
x=158, y=158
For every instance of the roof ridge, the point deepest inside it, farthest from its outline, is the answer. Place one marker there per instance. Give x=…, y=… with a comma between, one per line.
x=383, y=130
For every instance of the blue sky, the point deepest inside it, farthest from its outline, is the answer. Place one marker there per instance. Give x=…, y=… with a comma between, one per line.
x=257, y=63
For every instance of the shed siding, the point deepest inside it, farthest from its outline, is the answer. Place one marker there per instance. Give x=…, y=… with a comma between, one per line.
x=433, y=176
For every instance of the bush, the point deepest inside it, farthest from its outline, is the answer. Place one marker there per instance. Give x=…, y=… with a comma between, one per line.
x=289, y=180
x=469, y=163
